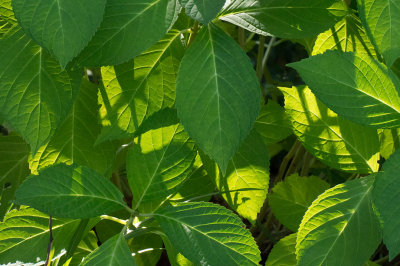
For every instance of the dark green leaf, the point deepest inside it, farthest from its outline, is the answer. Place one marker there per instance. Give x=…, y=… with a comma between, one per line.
x=202, y=10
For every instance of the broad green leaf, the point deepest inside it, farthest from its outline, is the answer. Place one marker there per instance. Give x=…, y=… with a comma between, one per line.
x=202, y=10
x=73, y=141
x=62, y=27
x=24, y=236
x=388, y=140
x=85, y=247
x=70, y=191
x=284, y=18
x=208, y=234
x=347, y=35
x=283, y=253
x=13, y=168
x=129, y=27
x=385, y=196
x=217, y=94
x=174, y=257
x=354, y=86
x=135, y=90
x=5, y=26
x=114, y=251
x=337, y=142
x=159, y=161
x=247, y=177
x=273, y=124
x=291, y=198
x=6, y=11
x=341, y=217
x=35, y=94
x=381, y=19
x=147, y=249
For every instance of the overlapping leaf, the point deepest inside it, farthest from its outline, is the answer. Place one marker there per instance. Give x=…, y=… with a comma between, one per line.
x=219, y=103
x=202, y=10
x=334, y=140
x=85, y=247
x=283, y=253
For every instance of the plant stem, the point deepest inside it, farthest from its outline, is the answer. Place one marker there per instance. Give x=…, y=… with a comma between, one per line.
x=193, y=34
x=267, y=53
x=114, y=219
x=286, y=161
x=242, y=38
x=306, y=164
x=294, y=164
x=260, y=56
x=47, y=263
x=382, y=260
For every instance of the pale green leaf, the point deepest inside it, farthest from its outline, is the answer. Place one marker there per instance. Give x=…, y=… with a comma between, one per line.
x=208, y=234
x=273, y=124
x=159, y=161
x=85, y=247
x=337, y=142
x=73, y=141
x=6, y=11
x=202, y=10
x=283, y=253
x=217, y=94
x=388, y=138
x=174, y=257
x=340, y=227
x=35, y=94
x=354, y=86
x=284, y=18
x=381, y=19
x=135, y=90
x=70, y=191
x=62, y=27
x=129, y=27
x=291, y=198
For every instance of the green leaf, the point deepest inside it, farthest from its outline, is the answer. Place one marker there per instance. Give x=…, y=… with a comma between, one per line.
x=137, y=89
x=381, y=19
x=114, y=251
x=62, y=27
x=159, y=161
x=217, y=94
x=147, y=248
x=341, y=217
x=129, y=28
x=354, y=86
x=291, y=198
x=285, y=19
x=35, y=94
x=85, y=247
x=388, y=138
x=337, y=142
x=202, y=10
x=209, y=234
x=73, y=141
x=13, y=168
x=76, y=192
x=6, y=11
x=28, y=230
x=283, y=253
x=174, y=257
x=385, y=196
x=273, y=124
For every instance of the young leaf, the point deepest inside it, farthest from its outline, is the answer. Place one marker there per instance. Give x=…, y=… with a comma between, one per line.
x=129, y=27
x=137, y=89
x=292, y=197
x=114, y=251
x=35, y=94
x=202, y=10
x=70, y=191
x=73, y=141
x=341, y=217
x=160, y=159
x=283, y=253
x=62, y=27
x=355, y=86
x=337, y=142
x=217, y=94
x=284, y=18
x=208, y=234
x=381, y=19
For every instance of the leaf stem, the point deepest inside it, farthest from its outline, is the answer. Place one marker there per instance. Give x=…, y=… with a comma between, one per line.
x=47, y=263
x=286, y=161
x=260, y=56
x=114, y=219
x=193, y=34
x=242, y=38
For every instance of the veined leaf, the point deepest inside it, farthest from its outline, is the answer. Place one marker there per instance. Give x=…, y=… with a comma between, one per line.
x=137, y=89
x=114, y=251
x=388, y=140
x=147, y=249
x=219, y=103
x=208, y=234
x=337, y=142
x=73, y=141
x=291, y=198
x=13, y=168
x=202, y=10
x=6, y=11
x=70, y=191
x=62, y=27
x=117, y=39
x=381, y=19
x=283, y=253
x=341, y=217
x=159, y=161
x=284, y=18
x=35, y=94
x=174, y=257
x=85, y=247
x=355, y=86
